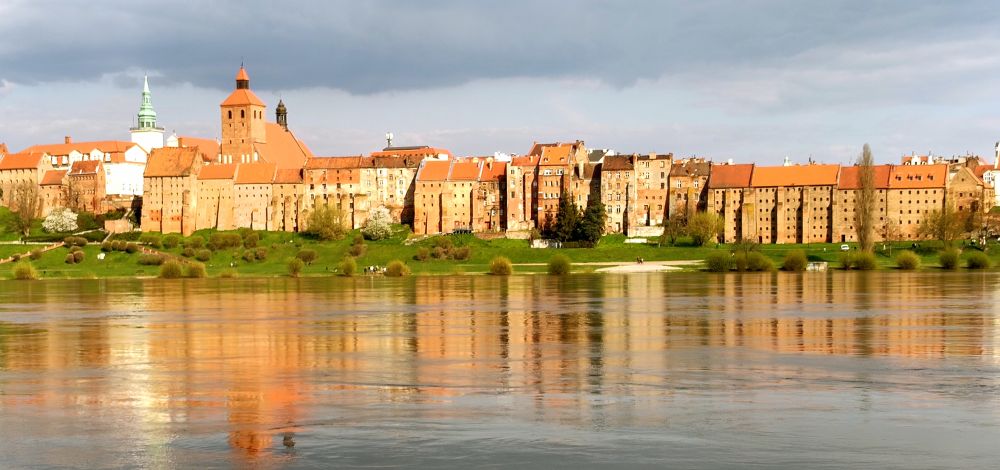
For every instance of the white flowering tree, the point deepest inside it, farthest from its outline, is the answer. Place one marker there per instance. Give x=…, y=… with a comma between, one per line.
x=60, y=220
x=378, y=226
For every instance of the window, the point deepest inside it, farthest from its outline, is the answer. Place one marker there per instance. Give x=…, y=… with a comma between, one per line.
x=230, y=114
x=242, y=114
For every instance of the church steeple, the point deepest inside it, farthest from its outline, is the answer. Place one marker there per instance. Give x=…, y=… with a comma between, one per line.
x=242, y=79
x=281, y=114
x=147, y=116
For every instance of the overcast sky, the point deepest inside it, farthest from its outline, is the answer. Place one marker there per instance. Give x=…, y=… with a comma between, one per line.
x=747, y=80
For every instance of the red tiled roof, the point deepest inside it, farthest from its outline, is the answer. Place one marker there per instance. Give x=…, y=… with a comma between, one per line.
x=525, y=160
x=538, y=149
x=434, y=170
x=224, y=171
x=850, y=177
x=20, y=161
x=795, y=175
x=690, y=168
x=918, y=176
x=3, y=149
x=242, y=74
x=422, y=151
x=282, y=148
x=492, y=171
x=288, y=176
x=53, y=177
x=464, y=170
x=255, y=173
x=730, y=176
x=105, y=146
x=85, y=167
x=617, y=163
x=242, y=97
x=318, y=163
x=557, y=155
x=980, y=170
x=208, y=147
x=392, y=161
x=171, y=161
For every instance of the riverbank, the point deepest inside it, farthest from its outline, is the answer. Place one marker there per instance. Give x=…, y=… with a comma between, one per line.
x=266, y=254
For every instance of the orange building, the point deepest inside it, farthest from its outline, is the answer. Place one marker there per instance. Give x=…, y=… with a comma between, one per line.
x=619, y=193
x=170, y=184
x=688, y=186
x=726, y=188
x=85, y=186
x=914, y=191
x=790, y=204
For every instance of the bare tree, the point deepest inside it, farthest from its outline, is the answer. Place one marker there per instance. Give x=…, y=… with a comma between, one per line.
x=864, y=203
x=24, y=206
x=944, y=225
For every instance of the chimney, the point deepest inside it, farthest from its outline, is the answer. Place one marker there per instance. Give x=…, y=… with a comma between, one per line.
x=180, y=141
x=67, y=140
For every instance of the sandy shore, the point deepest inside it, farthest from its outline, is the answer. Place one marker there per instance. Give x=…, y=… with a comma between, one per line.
x=648, y=266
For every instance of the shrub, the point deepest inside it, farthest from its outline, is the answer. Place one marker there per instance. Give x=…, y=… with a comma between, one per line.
x=443, y=242
x=219, y=241
x=151, y=239
x=35, y=254
x=295, y=266
x=307, y=256
x=260, y=253
x=251, y=240
x=203, y=254
x=501, y=266
x=74, y=249
x=439, y=252
x=756, y=261
x=187, y=252
x=75, y=241
x=718, y=262
x=422, y=254
x=703, y=227
x=131, y=248
x=171, y=270
x=397, y=268
x=228, y=273
x=195, y=242
x=118, y=245
x=740, y=262
x=949, y=258
x=559, y=265
x=24, y=271
x=149, y=259
x=195, y=270
x=249, y=256
x=78, y=256
x=326, y=223
x=907, y=260
x=356, y=250
x=462, y=253
x=107, y=247
x=60, y=220
x=865, y=261
x=70, y=259
x=358, y=239
x=348, y=266
x=171, y=241
x=847, y=260
x=95, y=236
x=378, y=226
x=87, y=221
x=795, y=260
x=16, y=257
x=977, y=260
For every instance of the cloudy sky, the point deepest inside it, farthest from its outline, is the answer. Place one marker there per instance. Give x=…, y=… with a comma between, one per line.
x=747, y=80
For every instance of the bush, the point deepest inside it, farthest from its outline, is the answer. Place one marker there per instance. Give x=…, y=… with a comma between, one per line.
x=16, y=257
x=203, y=255
x=847, y=260
x=907, y=260
x=740, y=262
x=348, y=266
x=326, y=223
x=95, y=236
x=195, y=270
x=295, y=266
x=865, y=261
x=171, y=241
x=249, y=256
x=718, y=262
x=260, y=253
x=356, y=250
x=251, y=240
x=949, y=258
x=307, y=256
x=171, y=270
x=187, y=252
x=220, y=241
x=87, y=221
x=397, y=268
x=422, y=254
x=70, y=259
x=151, y=239
x=195, y=242
x=228, y=273
x=758, y=262
x=559, y=265
x=443, y=242
x=24, y=272
x=74, y=249
x=107, y=247
x=78, y=256
x=75, y=241
x=36, y=254
x=439, y=252
x=977, y=260
x=149, y=259
x=118, y=245
x=131, y=248
x=501, y=266
x=378, y=226
x=461, y=253
x=795, y=261
x=703, y=227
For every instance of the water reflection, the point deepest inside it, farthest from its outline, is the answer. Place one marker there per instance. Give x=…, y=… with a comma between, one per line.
x=292, y=371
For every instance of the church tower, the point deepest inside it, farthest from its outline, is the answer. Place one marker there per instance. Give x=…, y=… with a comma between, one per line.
x=242, y=122
x=146, y=134
x=281, y=114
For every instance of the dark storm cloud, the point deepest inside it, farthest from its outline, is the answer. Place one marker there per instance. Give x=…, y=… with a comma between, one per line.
x=375, y=46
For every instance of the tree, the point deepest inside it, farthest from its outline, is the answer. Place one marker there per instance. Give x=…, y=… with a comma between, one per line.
x=378, y=226
x=704, y=227
x=326, y=223
x=944, y=225
x=567, y=218
x=889, y=230
x=549, y=226
x=24, y=206
x=864, y=203
x=591, y=225
x=60, y=220
x=675, y=227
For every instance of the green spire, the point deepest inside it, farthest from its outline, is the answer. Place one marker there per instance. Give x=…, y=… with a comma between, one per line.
x=147, y=117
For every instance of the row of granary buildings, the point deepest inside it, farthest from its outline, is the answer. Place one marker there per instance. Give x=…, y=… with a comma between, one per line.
x=259, y=175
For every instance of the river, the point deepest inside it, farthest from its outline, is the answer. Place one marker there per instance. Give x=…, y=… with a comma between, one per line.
x=682, y=370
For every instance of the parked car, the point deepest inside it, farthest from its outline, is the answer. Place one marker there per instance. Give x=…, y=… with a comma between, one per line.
x=845, y=247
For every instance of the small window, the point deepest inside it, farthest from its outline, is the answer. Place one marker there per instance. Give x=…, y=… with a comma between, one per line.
x=242, y=114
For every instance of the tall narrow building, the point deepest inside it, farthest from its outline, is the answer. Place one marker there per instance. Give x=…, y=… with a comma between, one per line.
x=146, y=134
x=242, y=123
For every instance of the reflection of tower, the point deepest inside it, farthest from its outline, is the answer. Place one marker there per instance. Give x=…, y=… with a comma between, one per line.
x=146, y=134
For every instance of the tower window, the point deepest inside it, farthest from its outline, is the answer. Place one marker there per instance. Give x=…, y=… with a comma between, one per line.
x=230, y=114
x=242, y=114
